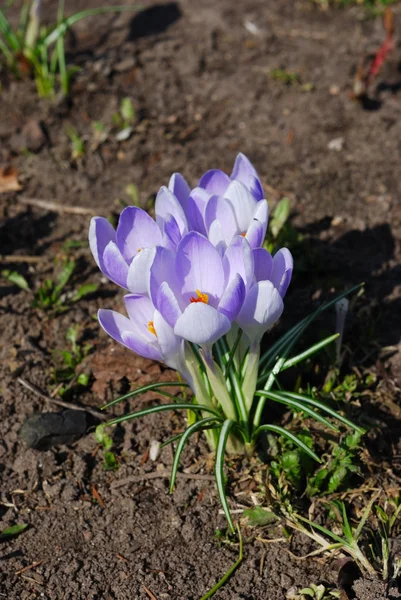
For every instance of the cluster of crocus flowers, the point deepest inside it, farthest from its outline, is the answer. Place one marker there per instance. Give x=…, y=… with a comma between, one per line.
x=202, y=292
x=196, y=271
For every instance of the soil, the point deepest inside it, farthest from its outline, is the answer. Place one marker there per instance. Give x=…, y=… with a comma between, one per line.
x=200, y=79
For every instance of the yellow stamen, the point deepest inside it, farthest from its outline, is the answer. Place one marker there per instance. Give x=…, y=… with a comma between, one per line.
x=151, y=328
x=139, y=250
x=201, y=297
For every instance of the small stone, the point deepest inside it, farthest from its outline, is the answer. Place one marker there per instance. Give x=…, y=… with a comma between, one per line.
x=32, y=137
x=154, y=451
x=42, y=431
x=334, y=90
x=125, y=65
x=337, y=144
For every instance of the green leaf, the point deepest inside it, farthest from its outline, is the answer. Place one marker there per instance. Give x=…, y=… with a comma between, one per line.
x=219, y=469
x=84, y=290
x=258, y=516
x=83, y=379
x=103, y=438
x=127, y=110
x=163, y=407
x=280, y=216
x=287, y=434
x=298, y=405
x=110, y=462
x=90, y=12
x=199, y=425
x=13, y=530
x=230, y=571
x=16, y=279
x=147, y=388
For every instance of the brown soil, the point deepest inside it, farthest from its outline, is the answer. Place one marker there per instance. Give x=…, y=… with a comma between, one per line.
x=198, y=76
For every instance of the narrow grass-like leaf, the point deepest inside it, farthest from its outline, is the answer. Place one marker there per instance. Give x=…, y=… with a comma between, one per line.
x=199, y=425
x=293, y=438
x=17, y=279
x=365, y=515
x=147, y=388
x=162, y=407
x=279, y=397
x=327, y=532
x=290, y=362
x=292, y=336
x=230, y=571
x=219, y=469
x=13, y=530
x=62, y=27
x=8, y=33
x=232, y=353
x=323, y=407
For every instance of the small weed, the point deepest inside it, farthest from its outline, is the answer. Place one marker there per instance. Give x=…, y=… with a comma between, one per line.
x=77, y=144
x=71, y=359
x=17, y=279
x=31, y=47
x=13, y=530
x=286, y=77
x=110, y=462
x=316, y=592
x=124, y=119
x=51, y=295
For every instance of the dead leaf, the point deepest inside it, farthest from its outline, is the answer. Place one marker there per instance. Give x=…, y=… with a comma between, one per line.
x=9, y=180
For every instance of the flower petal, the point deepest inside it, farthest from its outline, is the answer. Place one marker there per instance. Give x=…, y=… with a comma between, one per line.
x=197, y=202
x=202, y=324
x=243, y=204
x=239, y=259
x=263, y=305
x=233, y=298
x=169, y=343
x=162, y=269
x=263, y=264
x=140, y=310
x=136, y=230
x=167, y=304
x=199, y=267
x=256, y=234
x=115, y=266
x=138, y=279
x=216, y=237
x=180, y=188
x=141, y=346
x=171, y=234
x=214, y=182
x=167, y=204
x=283, y=265
x=101, y=232
x=245, y=172
x=219, y=209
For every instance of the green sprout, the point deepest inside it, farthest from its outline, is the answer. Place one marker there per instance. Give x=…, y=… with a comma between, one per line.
x=77, y=144
x=71, y=359
x=110, y=462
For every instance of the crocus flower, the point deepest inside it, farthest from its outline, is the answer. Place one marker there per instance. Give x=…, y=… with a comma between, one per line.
x=145, y=332
x=192, y=292
x=222, y=207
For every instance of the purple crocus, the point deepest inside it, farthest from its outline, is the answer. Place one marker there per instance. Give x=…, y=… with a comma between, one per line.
x=145, y=331
x=193, y=293
x=222, y=206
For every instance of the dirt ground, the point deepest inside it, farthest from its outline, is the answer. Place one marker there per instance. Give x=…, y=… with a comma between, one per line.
x=200, y=78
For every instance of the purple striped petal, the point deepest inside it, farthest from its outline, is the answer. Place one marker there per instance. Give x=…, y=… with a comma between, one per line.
x=256, y=234
x=172, y=234
x=169, y=343
x=202, y=324
x=197, y=203
x=216, y=237
x=140, y=310
x=162, y=269
x=245, y=172
x=136, y=230
x=180, y=189
x=121, y=330
x=167, y=204
x=214, y=182
x=283, y=265
x=239, y=259
x=263, y=264
x=101, y=232
x=233, y=298
x=167, y=304
x=219, y=209
x=199, y=267
x=138, y=279
x=262, y=307
x=243, y=204
x=115, y=266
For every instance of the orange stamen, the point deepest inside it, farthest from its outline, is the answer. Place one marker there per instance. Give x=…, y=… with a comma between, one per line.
x=139, y=250
x=201, y=297
x=151, y=328
x=243, y=234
